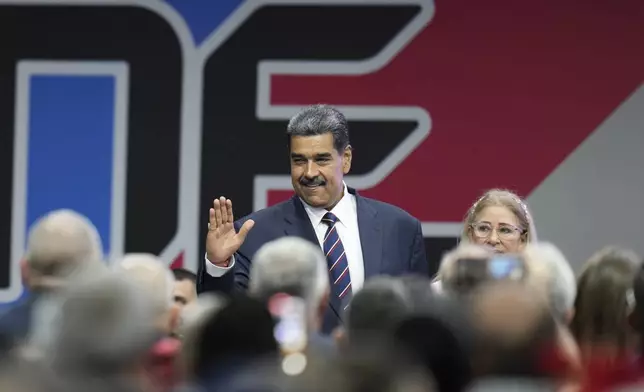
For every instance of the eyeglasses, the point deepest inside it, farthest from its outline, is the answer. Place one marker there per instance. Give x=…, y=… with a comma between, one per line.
x=505, y=231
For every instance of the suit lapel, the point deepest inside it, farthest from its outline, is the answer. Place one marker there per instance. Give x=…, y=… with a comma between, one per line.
x=370, y=236
x=298, y=223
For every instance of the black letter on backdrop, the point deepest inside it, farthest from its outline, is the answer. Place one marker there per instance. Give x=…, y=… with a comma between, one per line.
x=151, y=48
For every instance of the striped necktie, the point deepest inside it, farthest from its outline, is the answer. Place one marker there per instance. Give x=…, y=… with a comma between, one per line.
x=339, y=276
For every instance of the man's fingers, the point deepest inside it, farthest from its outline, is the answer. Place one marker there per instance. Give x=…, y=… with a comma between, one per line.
x=217, y=208
x=224, y=212
x=211, y=219
x=229, y=209
x=243, y=231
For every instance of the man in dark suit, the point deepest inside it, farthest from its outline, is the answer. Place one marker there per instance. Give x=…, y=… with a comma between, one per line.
x=360, y=237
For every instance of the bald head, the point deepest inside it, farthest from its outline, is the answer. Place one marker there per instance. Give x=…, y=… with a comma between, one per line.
x=151, y=274
x=514, y=325
x=61, y=244
x=508, y=309
x=155, y=280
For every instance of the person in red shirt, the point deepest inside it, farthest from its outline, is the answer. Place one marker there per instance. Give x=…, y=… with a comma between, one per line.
x=162, y=363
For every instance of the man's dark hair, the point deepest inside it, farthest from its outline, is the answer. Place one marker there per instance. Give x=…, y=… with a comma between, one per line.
x=524, y=358
x=248, y=328
x=184, y=274
x=376, y=309
x=318, y=120
x=434, y=344
x=637, y=321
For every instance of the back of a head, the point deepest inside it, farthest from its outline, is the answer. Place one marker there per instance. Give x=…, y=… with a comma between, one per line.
x=515, y=329
x=604, y=301
x=550, y=268
x=193, y=320
x=197, y=312
x=290, y=265
x=377, y=308
x=438, y=346
x=420, y=290
x=60, y=246
x=152, y=275
x=248, y=328
x=106, y=325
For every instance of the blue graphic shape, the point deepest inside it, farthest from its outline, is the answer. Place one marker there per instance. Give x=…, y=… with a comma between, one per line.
x=204, y=16
x=71, y=133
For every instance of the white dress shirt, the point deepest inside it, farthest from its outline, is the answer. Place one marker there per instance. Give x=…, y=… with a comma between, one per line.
x=347, y=228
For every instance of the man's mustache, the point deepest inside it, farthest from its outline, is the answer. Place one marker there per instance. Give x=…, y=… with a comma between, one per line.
x=315, y=181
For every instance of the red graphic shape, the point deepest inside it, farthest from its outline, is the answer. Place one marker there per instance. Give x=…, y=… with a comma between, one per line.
x=177, y=262
x=512, y=88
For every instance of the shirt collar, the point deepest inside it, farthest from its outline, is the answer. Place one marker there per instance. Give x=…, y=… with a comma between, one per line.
x=343, y=210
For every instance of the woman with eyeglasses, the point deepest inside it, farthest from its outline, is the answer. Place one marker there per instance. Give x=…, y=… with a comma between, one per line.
x=499, y=220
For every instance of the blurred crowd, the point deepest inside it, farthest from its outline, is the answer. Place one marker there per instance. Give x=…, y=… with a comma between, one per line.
x=505, y=312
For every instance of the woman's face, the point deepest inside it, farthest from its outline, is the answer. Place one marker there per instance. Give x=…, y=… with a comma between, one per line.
x=498, y=228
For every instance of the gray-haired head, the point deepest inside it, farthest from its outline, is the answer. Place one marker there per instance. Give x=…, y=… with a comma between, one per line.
x=156, y=280
x=61, y=245
x=293, y=266
x=545, y=259
x=106, y=325
x=320, y=119
x=152, y=274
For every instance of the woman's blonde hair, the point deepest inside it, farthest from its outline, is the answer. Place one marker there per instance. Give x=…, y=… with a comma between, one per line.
x=501, y=198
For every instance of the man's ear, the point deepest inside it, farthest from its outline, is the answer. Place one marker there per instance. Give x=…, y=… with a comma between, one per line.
x=347, y=156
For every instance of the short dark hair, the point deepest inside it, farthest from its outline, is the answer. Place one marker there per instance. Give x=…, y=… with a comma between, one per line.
x=432, y=342
x=375, y=310
x=184, y=274
x=248, y=327
x=318, y=120
x=638, y=297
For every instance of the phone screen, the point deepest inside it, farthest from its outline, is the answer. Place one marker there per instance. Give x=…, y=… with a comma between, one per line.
x=505, y=267
x=290, y=329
